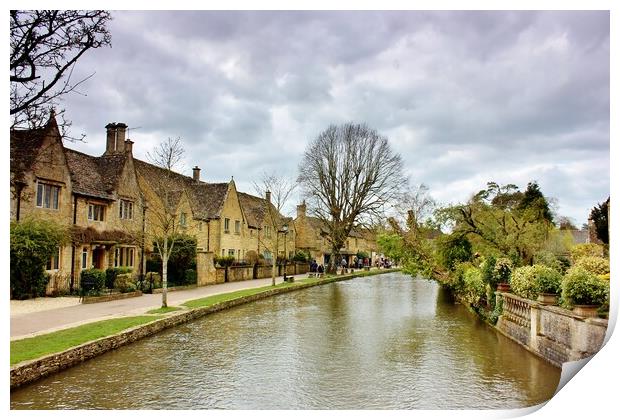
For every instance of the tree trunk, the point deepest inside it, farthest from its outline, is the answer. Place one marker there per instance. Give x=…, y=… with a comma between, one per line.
x=164, y=275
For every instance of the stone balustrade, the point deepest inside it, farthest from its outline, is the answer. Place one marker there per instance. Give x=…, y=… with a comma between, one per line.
x=554, y=333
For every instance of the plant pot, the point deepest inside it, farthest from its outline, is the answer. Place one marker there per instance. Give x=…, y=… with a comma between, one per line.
x=586, y=311
x=548, y=298
x=503, y=287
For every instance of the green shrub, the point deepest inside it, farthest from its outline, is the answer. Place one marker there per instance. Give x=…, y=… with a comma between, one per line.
x=191, y=277
x=502, y=270
x=549, y=280
x=580, y=287
x=475, y=289
x=453, y=249
x=301, y=256
x=586, y=250
x=92, y=281
x=486, y=268
x=112, y=272
x=224, y=261
x=152, y=280
x=595, y=265
x=522, y=282
x=33, y=242
x=124, y=282
x=558, y=263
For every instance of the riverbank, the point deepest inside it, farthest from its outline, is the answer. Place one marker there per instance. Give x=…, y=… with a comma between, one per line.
x=27, y=371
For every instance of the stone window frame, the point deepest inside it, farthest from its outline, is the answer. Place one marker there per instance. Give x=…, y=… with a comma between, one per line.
x=125, y=209
x=124, y=256
x=237, y=227
x=183, y=219
x=84, y=261
x=43, y=190
x=226, y=225
x=95, y=216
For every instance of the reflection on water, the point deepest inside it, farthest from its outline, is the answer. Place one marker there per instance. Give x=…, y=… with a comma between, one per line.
x=384, y=342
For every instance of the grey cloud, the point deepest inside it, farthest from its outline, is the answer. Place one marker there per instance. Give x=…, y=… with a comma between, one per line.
x=525, y=94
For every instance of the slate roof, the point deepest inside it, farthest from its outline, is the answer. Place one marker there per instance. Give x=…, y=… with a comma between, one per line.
x=206, y=199
x=95, y=176
x=254, y=209
x=23, y=143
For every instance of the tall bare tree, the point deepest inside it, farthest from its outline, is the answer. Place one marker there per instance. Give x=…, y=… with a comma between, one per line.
x=164, y=221
x=349, y=174
x=45, y=46
x=279, y=191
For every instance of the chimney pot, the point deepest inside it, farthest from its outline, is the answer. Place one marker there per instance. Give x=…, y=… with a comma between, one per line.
x=268, y=196
x=196, y=173
x=128, y=146
x=110, y=145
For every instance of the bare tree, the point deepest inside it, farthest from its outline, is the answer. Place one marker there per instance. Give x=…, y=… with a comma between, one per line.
x=415, y=205
x=349, y=174
x=164, y=221
x=45, y=46
x=279, y=191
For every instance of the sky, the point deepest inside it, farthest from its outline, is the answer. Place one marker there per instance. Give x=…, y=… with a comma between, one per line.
x=464, y=97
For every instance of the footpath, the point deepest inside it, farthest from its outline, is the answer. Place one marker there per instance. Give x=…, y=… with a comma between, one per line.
x=31, y=320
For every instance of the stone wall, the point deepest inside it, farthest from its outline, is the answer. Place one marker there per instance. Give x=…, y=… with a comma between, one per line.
x=554, y=333
x=240, y=272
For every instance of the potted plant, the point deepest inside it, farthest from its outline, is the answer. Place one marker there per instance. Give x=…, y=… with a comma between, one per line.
x=548, y=282
x=584, y=291
x=502, y=272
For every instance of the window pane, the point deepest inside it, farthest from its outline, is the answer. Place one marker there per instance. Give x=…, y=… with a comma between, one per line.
x=39, y=195
x=120, y=209
x=46, y=198
x=55, y=191
x=90, y=212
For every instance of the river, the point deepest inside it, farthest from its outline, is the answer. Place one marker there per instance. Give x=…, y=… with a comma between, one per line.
x=382, y=342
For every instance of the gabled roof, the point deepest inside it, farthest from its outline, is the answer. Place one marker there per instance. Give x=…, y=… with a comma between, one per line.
x=95, y=176
x=25, y=143
x=208, y=199
x=254, y=209
x=205, y=199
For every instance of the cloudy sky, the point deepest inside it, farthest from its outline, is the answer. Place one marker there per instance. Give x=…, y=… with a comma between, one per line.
x=464, y=97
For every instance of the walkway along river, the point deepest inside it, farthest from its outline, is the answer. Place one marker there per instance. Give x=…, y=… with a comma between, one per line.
x=383, y=342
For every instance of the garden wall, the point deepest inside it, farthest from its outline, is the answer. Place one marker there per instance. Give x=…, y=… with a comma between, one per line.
x=554, y=333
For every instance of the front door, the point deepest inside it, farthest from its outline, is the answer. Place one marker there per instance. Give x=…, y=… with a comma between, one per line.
x=98, y=258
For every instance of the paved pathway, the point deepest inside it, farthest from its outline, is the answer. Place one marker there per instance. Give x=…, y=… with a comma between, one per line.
x=47, y=320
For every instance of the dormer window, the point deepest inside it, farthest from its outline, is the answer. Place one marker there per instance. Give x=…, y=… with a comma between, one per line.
x=96, y=212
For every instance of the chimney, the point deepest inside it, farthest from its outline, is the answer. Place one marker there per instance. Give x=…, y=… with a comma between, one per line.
x=129, y=147
x=301, y=209
x=196, y=173
x=121, y=131
x=268, y=196
x=110, y=145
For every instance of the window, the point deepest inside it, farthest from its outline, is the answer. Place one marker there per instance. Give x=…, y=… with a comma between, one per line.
x=54, y=262
x=95, y=212
x=251, y=232
x=47, y=195
x=124, y=257
x=238, y=254
x=125, y=210
x=267, y=232
x=226, y=225
x=223, y=252
x=231, y=252
x=183, y=219
x=84, y=258
x=237, y=227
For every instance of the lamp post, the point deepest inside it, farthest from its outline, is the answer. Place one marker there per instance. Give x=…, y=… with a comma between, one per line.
x=285, y=231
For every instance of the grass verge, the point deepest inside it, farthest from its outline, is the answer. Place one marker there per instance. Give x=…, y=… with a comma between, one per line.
x=35, y=347
x=164, y=310
x=212, y=300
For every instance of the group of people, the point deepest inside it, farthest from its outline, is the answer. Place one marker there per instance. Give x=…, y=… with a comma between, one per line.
x=383, y=263
x=316, y=268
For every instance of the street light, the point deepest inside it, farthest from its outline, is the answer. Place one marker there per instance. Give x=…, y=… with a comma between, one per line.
x=285, y=231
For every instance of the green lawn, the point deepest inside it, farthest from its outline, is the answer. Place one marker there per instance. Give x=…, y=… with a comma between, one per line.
x=35, y=347
x=212, y=300
x=164, y=310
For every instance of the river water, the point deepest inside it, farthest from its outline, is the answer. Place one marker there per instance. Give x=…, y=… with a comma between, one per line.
x=382, y=342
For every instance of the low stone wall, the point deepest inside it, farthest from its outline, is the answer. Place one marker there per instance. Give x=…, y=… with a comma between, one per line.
x=110, y=297
x=264, y=271
x=240, y=272
x=172, y=289
x=554, y=333
x=220, y=275
x=30, y=371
